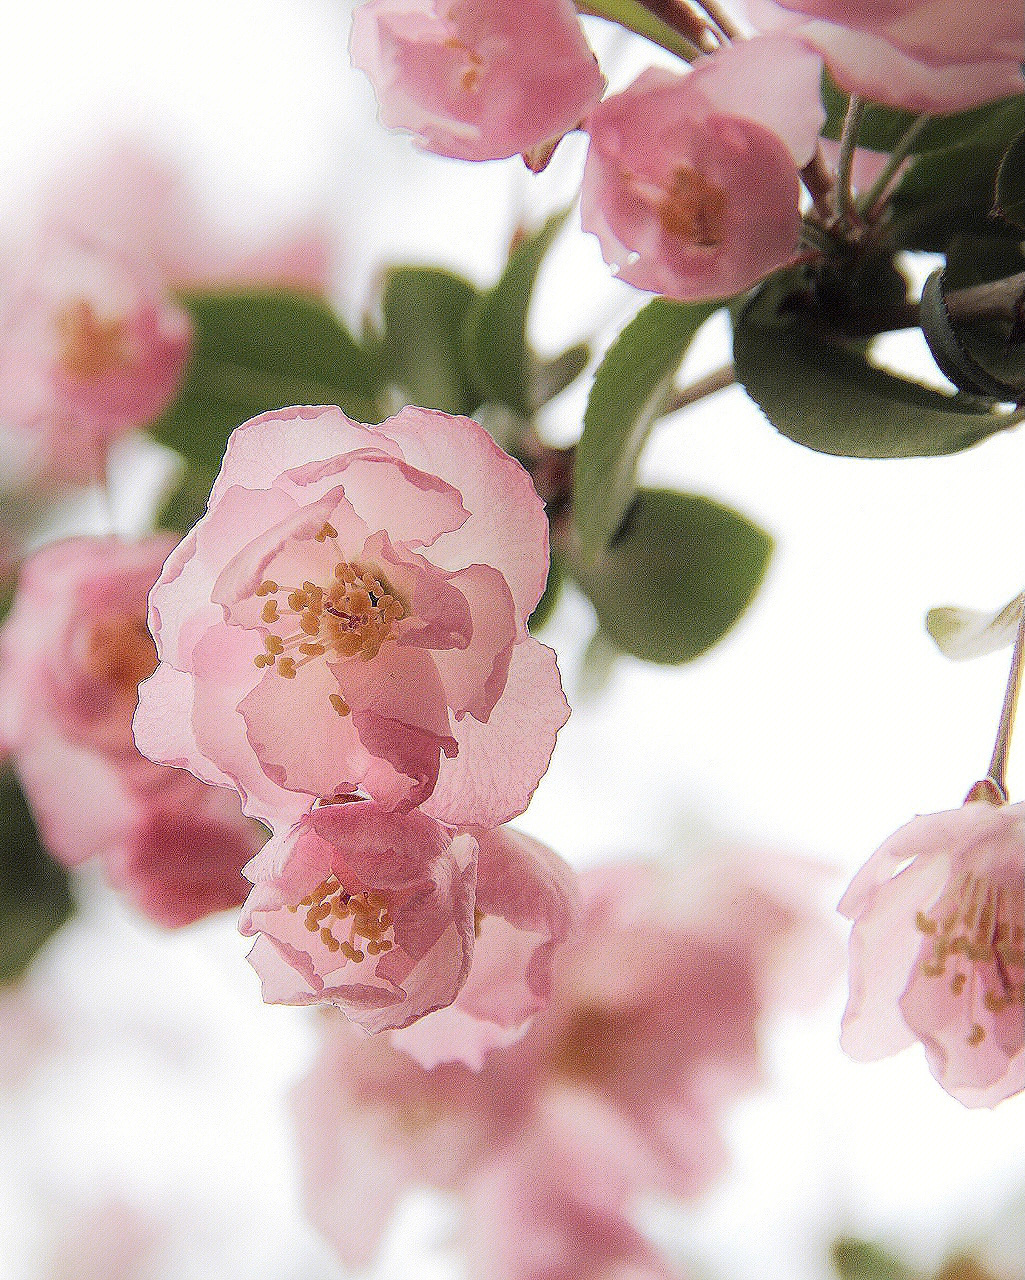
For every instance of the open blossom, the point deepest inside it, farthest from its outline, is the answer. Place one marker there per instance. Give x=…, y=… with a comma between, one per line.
x=524, y=910
x=72, y=652
x=365, y=909
x=922, y=55
x=90, y=346
x=351, y=614
x=466, y=78
x=620, y=1083
x=937, y=949
x=691, y=183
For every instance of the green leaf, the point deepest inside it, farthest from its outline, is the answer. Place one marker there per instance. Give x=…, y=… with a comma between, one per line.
x=555, y=375
x=827, y=397
x=678, y=575
x=424, y=312
x=630, y=391
x=187, y=500
x=498, y=356
x=633, y=15
x=35, y=892
x=960, y=634
x=861, y=1260
x=550, y=596
x=1010, y=192
x=882, y=127
x=951, y=190
x=259, y=350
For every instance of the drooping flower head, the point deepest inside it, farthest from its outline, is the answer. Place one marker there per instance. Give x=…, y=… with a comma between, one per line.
x=467, y=77
x=937, y=949
x=368, y=910
x=691, y=183
x=351, y=614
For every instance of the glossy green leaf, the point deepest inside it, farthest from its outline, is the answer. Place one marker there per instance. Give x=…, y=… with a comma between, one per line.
x=499, y=359
x=425, y=309
x=629, y=393
x=960, y=634
x=828, y=397
x=1010, y=191
x=678, y=575
x=35, y=892
x=261, y=350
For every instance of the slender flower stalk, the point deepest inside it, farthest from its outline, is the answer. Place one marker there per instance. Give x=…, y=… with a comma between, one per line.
x=848, y=141
x=998, y=762
x=721, y=19
x=667, y=23
x=874, y=202
x=701, y=389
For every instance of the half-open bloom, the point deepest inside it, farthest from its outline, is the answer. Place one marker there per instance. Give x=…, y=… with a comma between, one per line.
x=351, y=614
x=368, y=910
x=688, y=195
x=467, y=77
x=936, y=952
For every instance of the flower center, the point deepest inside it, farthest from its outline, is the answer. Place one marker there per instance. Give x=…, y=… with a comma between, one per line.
x=694, y=209
x=91, y=346
x=977, y=926
x=363, y=919
x=120, y=652
x=353, y=615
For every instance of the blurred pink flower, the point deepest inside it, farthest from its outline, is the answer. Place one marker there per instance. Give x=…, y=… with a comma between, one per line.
x=90, y=346
x=368, y=910
x=72, y=652
x=524, y=910
x=620, y=1083
x=689, y=195
x=464, y=76
x=936, y=952
x=138, y=203
x=923, y=55
x=380, y=579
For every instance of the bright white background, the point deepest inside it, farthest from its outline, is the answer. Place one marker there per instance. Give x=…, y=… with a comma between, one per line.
x=824, y=722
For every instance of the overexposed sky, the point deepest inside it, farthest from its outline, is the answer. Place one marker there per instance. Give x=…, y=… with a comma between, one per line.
x=824, y=721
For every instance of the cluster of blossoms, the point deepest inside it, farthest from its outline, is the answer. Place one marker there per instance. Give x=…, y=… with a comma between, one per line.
x=343, y=640
x=618, y=1087
x=693, y=181
x=92, y=341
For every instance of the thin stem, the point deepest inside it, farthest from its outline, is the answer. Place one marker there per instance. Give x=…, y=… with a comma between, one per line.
x=680, y=17
x=867, y=206
x=819, y=184
x=719, y=380
x=721, y=19
x=848, y=141
x=631, y=15
x=998, y=762
x=997, y=300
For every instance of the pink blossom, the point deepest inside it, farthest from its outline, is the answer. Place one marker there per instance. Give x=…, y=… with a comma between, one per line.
x=72, y=652
x=927, y=55
x=618, y=1086
x=90, y=346
x=379, y=579
x=365, y=909
x=524, y=910
x=464, y=76
x=936, y=949
x=686, y=199
x=138, y=204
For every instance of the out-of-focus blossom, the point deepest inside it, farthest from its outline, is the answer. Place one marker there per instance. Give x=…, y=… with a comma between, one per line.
x=465, y=76
x=621, y=1080
x=90, y=346
x=926, y=55
x=72, y=652
x=937, y=949
x=379, y=579
x=27, y=1033
x=689, y=195
x=368, y=910
x=109, y=1241
x=138, y=204
x=524, y=910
